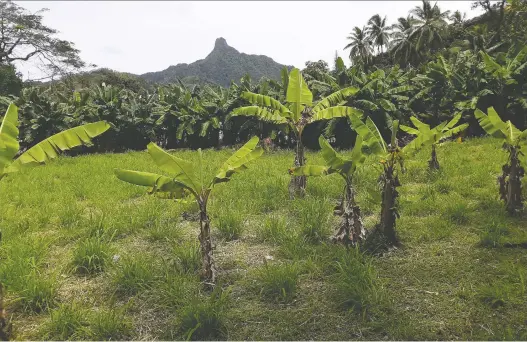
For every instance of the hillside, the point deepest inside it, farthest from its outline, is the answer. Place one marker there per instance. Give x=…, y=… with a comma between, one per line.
x=221, y=66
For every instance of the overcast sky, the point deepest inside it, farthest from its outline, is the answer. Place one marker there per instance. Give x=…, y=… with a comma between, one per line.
x=139, y=37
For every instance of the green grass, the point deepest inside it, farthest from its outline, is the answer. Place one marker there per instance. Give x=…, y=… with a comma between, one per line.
x=277, y=282
x=86, y=256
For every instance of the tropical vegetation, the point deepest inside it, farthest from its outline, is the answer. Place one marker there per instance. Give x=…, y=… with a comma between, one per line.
x=85, y=256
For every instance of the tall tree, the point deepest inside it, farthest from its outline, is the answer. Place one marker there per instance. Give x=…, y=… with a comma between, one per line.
x=378, y=31
x=402, y=47
x=430, y=26
x=360, y=46
x=24, y=37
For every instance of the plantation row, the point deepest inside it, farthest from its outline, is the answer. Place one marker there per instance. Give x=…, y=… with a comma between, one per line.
x=177, y=116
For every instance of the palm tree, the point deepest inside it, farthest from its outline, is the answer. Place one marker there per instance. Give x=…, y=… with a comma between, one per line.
x=430, y=26
x=402, y=47
x=360, y=46
x=378, y=32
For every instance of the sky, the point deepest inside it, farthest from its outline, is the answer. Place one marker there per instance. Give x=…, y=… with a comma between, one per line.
x=144, y=36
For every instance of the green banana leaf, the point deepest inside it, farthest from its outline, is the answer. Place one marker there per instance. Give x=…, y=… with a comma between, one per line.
x=453, y=122
x=387, y=105
x=181, y=170
x=409, y=130
x=335, y=99
x=238, y=161
x=157, y=183
x=265, y=101
x=336, y=112
x=491, y=123
x=297, y=90
x=8, y=137
x=331, y=157
x=298, y=94
x=310, y=170
x=422, y=127
x=395, y=128
x=370, y=135
x=261, y=113
x=51, y=147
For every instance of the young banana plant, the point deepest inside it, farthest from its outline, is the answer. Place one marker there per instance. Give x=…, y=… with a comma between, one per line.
x=297, y=113
x=512, y=172
x=350, y=230
x=392, y=159
x=187, y=180
x=39, y=154
x=433, y=136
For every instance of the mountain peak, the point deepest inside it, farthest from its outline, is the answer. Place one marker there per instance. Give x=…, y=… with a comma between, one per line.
x=221, y=66
x=220, y=43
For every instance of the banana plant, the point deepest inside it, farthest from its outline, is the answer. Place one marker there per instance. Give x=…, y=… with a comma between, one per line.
x=392, y=158
x=297, y=113
x=512, y=172
x=351, y=230
x=187, y=180
x=39, y=154
x=433, y=136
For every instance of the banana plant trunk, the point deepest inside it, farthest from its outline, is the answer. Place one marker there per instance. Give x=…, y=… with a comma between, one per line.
x=4, y=336
x=389, y=213
x=351, y=229
x=433, y=163
x=297, y=185
x=510, y=182
x=207, y=260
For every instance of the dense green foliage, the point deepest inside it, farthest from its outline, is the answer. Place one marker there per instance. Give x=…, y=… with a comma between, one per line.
x=431, y=65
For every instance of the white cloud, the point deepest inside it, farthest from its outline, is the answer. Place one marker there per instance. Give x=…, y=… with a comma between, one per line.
x=139, y=37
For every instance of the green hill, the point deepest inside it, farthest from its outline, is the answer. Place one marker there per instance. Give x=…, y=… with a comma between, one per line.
x=223, y=65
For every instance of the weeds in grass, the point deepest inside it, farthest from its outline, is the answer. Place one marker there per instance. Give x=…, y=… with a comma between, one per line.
x=443, y=187
x=164, y=231
x=494, y=295
x=274, y=229
x=66, y=322
x=71, y=216
x=188, y=257
x=203, y=319
x=174, y=290
x=91, y=256
x=108, y=325
x=133, y=275
x=356, y=282
x=38, y=293
x=493, y=233
x=313, y=218
x=230, y=224
x=278, y=282
x=457, y=213
x=73, y=322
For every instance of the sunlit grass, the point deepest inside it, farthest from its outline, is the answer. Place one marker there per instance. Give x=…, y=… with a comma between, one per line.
x=86, y=256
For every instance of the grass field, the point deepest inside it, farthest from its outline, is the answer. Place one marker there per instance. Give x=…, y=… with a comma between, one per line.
x=86, y=256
